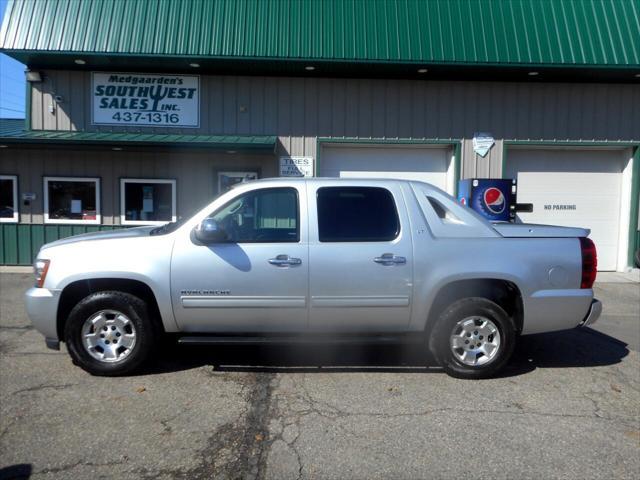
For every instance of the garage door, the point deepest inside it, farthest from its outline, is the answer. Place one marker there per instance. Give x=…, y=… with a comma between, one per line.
x=576, y=188
x=423, y=163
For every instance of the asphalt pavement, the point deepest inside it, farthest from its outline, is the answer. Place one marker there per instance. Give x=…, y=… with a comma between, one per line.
x=567, y=406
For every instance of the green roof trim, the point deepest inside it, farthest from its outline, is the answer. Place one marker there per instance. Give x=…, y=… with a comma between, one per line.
x=579, y=33
x=11, y=126
x=265, y=143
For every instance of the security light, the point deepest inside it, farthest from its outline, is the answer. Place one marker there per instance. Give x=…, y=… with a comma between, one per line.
x=309, y=68
x=194, y=65
x=533, y=74
x=33, y=76
x=79, y=61
x=423, y=70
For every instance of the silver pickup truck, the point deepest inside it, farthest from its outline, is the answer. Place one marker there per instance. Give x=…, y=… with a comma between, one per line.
x=316, y=260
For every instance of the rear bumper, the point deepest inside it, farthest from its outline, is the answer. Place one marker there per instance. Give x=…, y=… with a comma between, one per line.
x=555, y=310
x=42, y=308
x=594, y=313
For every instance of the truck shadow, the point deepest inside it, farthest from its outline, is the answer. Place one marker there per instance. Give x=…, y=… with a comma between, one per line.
x=580, y=347
x=572, y=348
x=20, y=471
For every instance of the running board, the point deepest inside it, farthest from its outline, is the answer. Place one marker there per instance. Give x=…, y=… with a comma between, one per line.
x=299, y=340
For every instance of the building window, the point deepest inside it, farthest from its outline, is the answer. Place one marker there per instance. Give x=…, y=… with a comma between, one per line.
x=147, y=201
x=71, y=200
x=8, y=199
x=226, y=180
x=357, y=214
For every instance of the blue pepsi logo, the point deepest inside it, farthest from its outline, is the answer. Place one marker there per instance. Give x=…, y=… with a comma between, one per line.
x=494, y=200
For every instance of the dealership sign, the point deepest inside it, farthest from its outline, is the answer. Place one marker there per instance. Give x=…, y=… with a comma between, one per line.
x=482, y=143
x=145, y=99
x=296, y=166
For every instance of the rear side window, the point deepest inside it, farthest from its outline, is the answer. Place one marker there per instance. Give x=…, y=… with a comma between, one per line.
x=357, y=214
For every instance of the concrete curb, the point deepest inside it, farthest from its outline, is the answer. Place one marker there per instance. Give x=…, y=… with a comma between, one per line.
x=632, y=276
x=15, y=269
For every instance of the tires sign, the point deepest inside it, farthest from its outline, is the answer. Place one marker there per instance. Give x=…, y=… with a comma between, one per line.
x=296, y=166
x=145, y=99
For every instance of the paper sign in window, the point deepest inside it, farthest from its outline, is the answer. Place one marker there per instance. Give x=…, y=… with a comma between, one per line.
x=76, y=206
x=147, y=199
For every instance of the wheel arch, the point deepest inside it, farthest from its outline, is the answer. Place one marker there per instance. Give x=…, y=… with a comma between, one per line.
x=503, y=292
x=79, y=289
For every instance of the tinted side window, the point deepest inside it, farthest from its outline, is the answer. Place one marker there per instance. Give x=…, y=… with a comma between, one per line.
x=357, y=214
x=261, y=216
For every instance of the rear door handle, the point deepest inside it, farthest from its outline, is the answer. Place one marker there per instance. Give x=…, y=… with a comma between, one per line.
x=390, y=259
x=285, y=261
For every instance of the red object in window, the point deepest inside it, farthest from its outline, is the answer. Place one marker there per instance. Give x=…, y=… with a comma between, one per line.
x=589, y=262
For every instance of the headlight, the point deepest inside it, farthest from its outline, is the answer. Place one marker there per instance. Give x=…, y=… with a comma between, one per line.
x=40, y=269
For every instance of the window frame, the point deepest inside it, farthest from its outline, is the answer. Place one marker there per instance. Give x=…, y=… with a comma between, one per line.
x=16, y=206
x=219, y=174
x=45, y=196
x=356, y=240
x=174, y=215
x=254, y=191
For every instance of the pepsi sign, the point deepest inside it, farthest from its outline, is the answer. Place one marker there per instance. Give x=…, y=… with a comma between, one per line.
x=494, y=199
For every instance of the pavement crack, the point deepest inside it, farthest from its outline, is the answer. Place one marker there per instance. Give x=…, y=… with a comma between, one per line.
x=16, y=327
x=235, y=450
x=26, y=354
x=41, y=387
x=166, y=428
x=72, y=466
x=326, y=410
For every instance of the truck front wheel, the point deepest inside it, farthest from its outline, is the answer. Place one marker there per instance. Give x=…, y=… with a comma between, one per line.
x=473, y=338
x=109, y=333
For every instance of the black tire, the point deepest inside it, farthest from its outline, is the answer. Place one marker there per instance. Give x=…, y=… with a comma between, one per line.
x=137, y=312
x=439, y=341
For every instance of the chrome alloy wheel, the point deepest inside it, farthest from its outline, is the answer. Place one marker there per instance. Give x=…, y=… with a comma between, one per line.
x=475, y=341
x=108, y=336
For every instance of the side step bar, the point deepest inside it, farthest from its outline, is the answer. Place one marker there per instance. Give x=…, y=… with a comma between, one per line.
x=299, y=340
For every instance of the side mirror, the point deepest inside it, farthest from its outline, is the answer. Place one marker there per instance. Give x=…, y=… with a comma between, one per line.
x=209, y=231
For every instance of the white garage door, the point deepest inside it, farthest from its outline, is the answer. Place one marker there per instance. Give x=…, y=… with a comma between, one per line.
x=424, y=163
x=576, y=188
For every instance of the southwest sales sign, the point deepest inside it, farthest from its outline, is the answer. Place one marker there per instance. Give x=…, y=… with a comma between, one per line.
x=145, y=99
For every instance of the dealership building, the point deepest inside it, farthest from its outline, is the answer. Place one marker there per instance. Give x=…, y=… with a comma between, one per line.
x=140, y=112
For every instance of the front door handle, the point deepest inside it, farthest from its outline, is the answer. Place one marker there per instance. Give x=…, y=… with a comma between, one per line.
x=388, y=259
x=285, y=261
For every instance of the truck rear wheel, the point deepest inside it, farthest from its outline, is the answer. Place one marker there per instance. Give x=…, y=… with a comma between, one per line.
x=109, y=333
x=473, y=338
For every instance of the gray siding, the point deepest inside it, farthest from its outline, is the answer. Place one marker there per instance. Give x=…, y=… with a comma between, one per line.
x=475, y=166
x=299, y=110
x=195, y=174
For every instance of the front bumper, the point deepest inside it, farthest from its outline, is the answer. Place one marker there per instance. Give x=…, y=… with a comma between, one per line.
x=594, y=313
x=42, y=308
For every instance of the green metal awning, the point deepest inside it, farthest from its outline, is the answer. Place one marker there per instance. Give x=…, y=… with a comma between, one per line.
x=264, y=143
x=11, y=126
x=285, y=35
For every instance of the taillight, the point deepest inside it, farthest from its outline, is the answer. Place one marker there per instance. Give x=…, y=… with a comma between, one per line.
x=589, y=262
